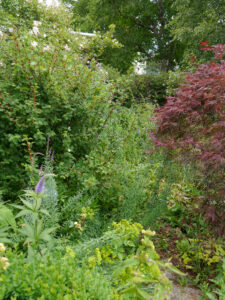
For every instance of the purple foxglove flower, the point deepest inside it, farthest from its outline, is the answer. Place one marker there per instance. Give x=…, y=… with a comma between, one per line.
x=41, y=183
x=49, y=152
x=40, y=186
x=138, y=131
x=52, y=157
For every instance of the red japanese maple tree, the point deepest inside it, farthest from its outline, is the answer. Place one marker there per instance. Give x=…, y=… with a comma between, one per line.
x=193, y=121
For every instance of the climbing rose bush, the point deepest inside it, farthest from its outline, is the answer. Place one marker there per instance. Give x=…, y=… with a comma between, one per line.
x=193, y=123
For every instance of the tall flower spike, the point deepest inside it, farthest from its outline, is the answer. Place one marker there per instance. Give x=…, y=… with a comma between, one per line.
x=41, y=183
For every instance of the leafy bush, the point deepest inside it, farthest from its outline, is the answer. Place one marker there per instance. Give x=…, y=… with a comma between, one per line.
x=51, y=277
x=47, y=90
x=121, y=177
x=147, y=88
x=192, y=122
x=87, y=272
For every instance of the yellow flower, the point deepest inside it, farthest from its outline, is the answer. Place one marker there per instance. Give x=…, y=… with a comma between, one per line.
x=2, y=247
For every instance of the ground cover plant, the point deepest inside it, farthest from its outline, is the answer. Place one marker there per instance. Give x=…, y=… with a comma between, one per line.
x=103, y=193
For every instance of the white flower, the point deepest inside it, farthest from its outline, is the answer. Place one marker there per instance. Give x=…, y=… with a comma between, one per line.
x=75, y=223
x=35, y=30
x=10, y=29
x=69, y=150
x=67, y=48
x=1, y=33
x=4, y=262
x=44, y=35
x=34, y=44
x=1, y=65
x=47, y=48
x=81, y=45
x=37, y=23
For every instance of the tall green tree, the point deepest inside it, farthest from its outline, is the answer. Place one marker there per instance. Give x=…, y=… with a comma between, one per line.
x=141, y=26
x=198, y=20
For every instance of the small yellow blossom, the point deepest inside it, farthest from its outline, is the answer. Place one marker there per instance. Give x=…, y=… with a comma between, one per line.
x=2, y=247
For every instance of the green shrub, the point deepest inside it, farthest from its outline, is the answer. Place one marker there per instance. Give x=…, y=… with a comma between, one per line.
x=148, y=88
x=47, y=91
x=122, y=176
x=116, y=266
x=52, y=277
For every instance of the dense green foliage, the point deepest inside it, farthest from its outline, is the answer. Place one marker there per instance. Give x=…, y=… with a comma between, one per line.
x=47, y=92
x=168, y=32
x=196, y=21
x=82, y=181
x=141, y=26
x=148, y=88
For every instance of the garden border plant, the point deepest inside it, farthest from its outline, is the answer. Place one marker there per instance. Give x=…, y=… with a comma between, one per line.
x=192, y=123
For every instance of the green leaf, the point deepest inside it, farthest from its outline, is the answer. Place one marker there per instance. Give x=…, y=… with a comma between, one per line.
x=45, y=212
x=7, y=216
x=27, y=230
x=5, y=240
x=39, y=227
x=28, y=204
x=17, y=206
x=45, y=234
x=23, y=213
x=143, y=294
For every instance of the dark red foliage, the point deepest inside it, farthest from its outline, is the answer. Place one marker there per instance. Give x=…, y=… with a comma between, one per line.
x=194, y=122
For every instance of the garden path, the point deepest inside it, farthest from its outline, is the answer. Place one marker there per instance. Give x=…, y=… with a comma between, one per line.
x=181, y=292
